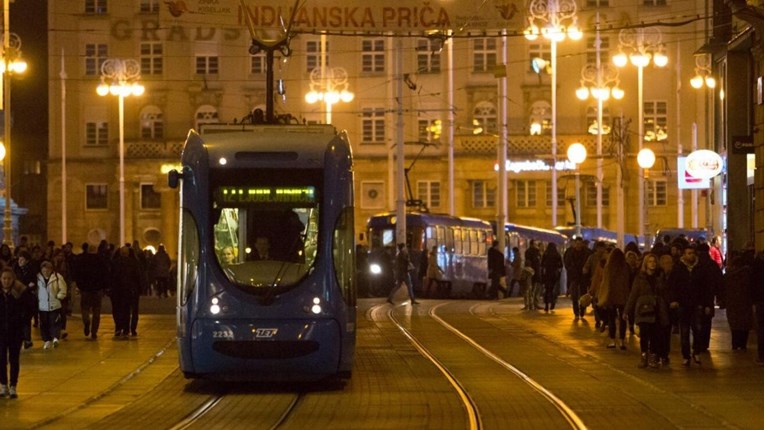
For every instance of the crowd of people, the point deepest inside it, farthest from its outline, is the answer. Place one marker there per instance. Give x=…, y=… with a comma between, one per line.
x=674, y=288
x=39, y=283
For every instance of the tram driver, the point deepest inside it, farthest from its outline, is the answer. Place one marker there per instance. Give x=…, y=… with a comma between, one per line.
x=262, y=248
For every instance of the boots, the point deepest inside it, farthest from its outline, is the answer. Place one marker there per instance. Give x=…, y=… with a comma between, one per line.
x=643, y=361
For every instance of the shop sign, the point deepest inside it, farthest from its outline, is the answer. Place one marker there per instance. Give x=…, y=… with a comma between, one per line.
x=687, y=182
x=704, y=164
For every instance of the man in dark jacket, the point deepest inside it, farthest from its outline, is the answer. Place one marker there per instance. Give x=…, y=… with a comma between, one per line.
x=534, y=256
x=496, y=262
x=714, y=280
x=574, y=259
x=91, y=274
x=692, y=295
x=26, y=273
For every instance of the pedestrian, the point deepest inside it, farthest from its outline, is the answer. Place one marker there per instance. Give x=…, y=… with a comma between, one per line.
x=613, y=293
x=738, y=301
x=16, y=307
x=714, y=252
x=664, y=329
x=27, y=275
x=643, y=303
x=433, y=272
x=551, y=265
x=534, y=256
x=713, y=277
x=160, y=271
x=527, y=285
x=51, y=289
x=595, y=265
x=516, y=265
x=692, y=296
x=125, y=293
x=61, y=266
x=633, y=261
x=402, y=269
x=92, y=276
x=496, y=265
x=574, y=259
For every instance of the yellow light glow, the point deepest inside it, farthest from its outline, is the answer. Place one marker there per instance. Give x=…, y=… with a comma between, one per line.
x=577, y=153
x=646, y=158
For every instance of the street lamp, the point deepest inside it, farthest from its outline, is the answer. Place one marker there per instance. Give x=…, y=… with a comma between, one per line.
x=330, y=85
x=703, y=74
x=12, y=64
x=601, y=82
x=577, y=153
x=119, y=77
x=640, y=46
x=645, y=159
x=554, y=20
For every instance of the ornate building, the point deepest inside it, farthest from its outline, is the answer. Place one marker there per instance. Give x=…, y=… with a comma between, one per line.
x=198, y=74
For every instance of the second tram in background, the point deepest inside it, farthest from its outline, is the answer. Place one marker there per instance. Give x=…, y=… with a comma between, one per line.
x=266, y=283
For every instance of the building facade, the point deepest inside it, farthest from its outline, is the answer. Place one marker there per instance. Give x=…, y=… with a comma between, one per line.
x=197, y=74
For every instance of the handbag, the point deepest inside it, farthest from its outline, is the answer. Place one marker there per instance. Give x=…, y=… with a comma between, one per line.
x=585, y=300
x=646, y=305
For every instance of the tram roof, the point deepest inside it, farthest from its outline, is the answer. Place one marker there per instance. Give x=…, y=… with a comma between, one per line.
x=268, y=143
x=422, y=218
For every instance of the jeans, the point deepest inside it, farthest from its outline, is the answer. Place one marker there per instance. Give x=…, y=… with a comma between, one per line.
x=575, y=292
x=407, y=279
x=10, y=349
x=50, y=325
x=647, y=335
x=90, y=303
x=690, y=321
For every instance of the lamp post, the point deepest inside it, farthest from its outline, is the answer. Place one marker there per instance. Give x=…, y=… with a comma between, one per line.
x=601, y=82
x=554, y=20
x=119, y=77
x=645, y=159
x=330, y=85
x=11, y=64
x=577, y=153
x=642, y=44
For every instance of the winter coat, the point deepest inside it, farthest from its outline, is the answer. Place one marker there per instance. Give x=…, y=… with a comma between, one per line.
x=50, y=292
x=690, y=286
x=738, y=302
x=160, y=265
x=433, y=271
x=648, y=285
x=496, y=263
x=614, y=287
x=552, y=264
x=403, y=265
x=92, y=272
x=126, y=277
x=16, y=308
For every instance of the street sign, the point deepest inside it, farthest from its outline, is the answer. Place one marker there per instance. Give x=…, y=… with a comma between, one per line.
x=368, y=17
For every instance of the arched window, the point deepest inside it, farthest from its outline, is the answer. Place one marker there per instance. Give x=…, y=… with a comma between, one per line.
x=206, y=114
x=485, y=113
x=540, y=119
x=152, y=123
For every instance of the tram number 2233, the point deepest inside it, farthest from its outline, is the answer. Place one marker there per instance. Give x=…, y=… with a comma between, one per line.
x=222, y=334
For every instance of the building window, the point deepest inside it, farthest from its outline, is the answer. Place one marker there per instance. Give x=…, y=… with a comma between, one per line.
x=485, y=116
x=258, y=63
x=540, y=119
x=96, y=196
x=96, y=133
x=430, y=193
x=206, y=114
x=429, y=55
x=149, y=6
x=150, y=199
x=313, y=54
x=592, y=51
x=95, y=7
x=483, y=194
x=591, y=195
x=373, y=125
x=657, y=192
x=373, y=55
x=207, y=64
x=152, y=123
x=654, y=2
x=654, y=121
x=484, y=54
x=548, y=195
x=525, y=194
x=95, y=55
x=151, y=58
x=428, y=130
x=592, y=120
x=539, y=50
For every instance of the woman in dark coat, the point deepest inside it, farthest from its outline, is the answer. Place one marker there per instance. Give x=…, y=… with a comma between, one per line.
x=738, y=302
x=16, y=307
x=551, y=266
x=125, y=292
x=647, y=284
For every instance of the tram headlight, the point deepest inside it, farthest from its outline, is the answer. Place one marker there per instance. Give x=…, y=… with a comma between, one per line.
x=214, y=307
x=375, y=269
x=316, y=306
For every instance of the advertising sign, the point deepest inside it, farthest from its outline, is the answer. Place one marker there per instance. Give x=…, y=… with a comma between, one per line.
x=704, y=164
x=370, y=16
x=685, y=181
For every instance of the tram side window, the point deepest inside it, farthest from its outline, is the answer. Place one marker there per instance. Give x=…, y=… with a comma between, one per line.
x=457, y=240
x=416, y=238
x=430, y=239
x=481, y=242
x=449, y=239
x=344, y=255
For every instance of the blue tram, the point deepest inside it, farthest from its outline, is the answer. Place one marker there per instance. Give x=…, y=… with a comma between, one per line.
x=594, y=234
x=461, y=244
x=266, y=279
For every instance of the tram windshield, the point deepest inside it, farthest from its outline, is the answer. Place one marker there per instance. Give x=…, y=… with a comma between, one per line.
x=265, y=235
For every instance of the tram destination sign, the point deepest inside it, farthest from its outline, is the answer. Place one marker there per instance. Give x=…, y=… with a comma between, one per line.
x=237, y=196
x=370, y=16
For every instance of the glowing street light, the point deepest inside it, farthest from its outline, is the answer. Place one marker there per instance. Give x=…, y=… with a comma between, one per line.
x=119, y=77
x=577, y=153
x=11, y=64
x=329, y=85
x=640, y=46
x=554, y=20
x=703, y=74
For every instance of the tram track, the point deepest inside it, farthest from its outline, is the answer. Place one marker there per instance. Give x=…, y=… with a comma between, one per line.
x=197, y=417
